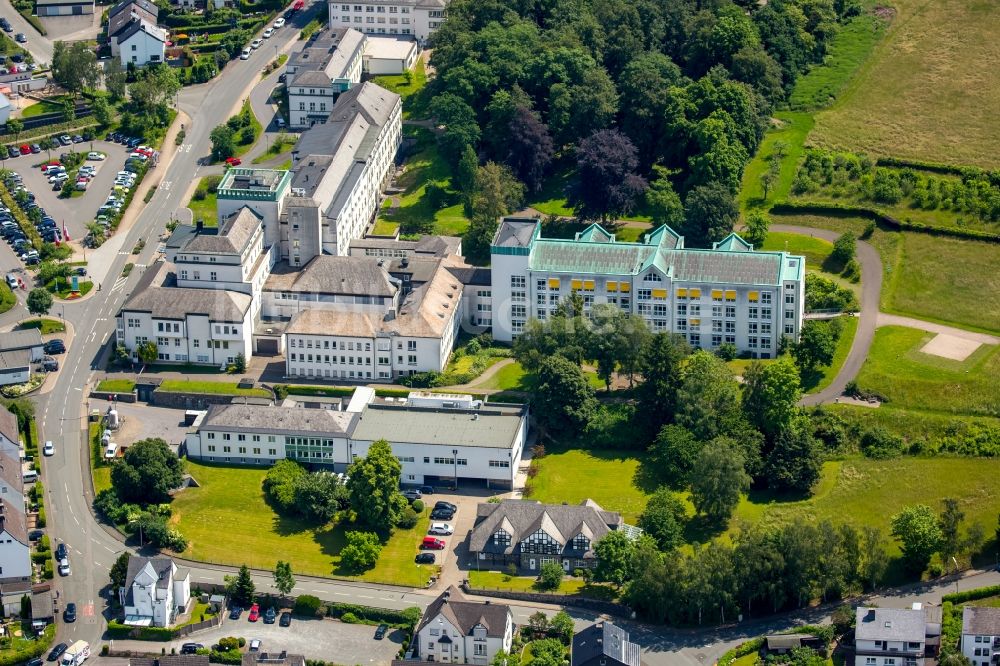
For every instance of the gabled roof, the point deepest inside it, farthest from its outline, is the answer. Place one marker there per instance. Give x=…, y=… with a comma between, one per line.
x=124, y=12
x=327, y=274
x=890, y=624
x=144, y=5
x=595, y=233
x=152, y=295
x=10, y=467
x=604, y=641
x=159, y=568
x=981, y=620
x=21, y=339
x=465, y=615
x=233, y=235
x=13, y=520
x=562, y=522
x=8, y=424
x=143, y=26
x=732, y=243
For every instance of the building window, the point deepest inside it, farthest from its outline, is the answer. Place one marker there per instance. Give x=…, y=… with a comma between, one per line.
x=518, y=282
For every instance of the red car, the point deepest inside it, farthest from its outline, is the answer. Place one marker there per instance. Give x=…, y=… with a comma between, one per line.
x=25, y=149
x=55, y=163
x=432, y=543
x=254, y=613
x=234, y=161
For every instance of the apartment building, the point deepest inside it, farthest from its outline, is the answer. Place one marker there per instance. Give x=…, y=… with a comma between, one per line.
x=728, y=294
x=981, y=635
x=436, y=437
x=890, y=636
x=413, y=18
x=457, y=630
x=339, y=169
x=331, y=63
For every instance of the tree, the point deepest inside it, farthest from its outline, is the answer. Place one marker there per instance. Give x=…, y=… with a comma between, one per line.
x=950, y=522
x=464, y=179
x=460, y=126
x=917, y=529
x=755, y=232
x=770, y=395
x=672, y=454
x=15, y=126
x=154, y=86
x=563, y=398
x=954, y=659
x=547, y=652
x=562, y=626
x=718, y=479
x=240, y=363
x=605, y=185
x=75, y=66
x=663, y=201
x=504, y=658
x=361, y=552
x=119, y=572
x=663, y=519
x=496, y=192
x=115, y=78
x=529, y=147
x=280, y=484
x=795, y=462
x=373, y=485
x=710, y=213
x=708, y=401
x=815, y=347
x=68, y=110
x=147, y=352
x=103, y=112
x=147, y=473
x=241, y=588
x=550, y=576
x=661, y=365
x=614, y=552
x=874, y=560
x=844, y=248
x=318, y=496
x=539, y=622
x=223, y=140
x=39, y=301
x=284, y=581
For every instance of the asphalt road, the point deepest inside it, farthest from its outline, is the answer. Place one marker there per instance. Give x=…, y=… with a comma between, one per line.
x=38, y=46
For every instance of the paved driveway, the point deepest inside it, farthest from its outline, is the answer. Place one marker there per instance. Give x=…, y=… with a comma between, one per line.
x=316, y=639
x=76, y=212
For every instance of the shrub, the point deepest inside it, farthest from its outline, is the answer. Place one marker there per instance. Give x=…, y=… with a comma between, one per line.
x=241, y=641
x=550, y=576
x=727, y=351
x=408, y=519
x=231, y=657
x=307, y=604
x=280, y=482
x=418, y=506
x=879, y=443
x=49, y=572
x=229, y=643
x=362, y=550
x=350, y=618
x=41, y=517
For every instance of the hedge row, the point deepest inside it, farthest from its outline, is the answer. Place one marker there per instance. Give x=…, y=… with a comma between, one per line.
x=404, y=618
x=118, y=630
x=743, y=649
x=840, y=210
x=972, y=595
x=936, y=167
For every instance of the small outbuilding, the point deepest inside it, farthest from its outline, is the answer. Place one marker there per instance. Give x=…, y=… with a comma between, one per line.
x=389, y=55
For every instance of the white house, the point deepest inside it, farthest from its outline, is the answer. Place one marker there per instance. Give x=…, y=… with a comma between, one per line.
x=155, y=591
x=18, y=351
x=5, y=109
x=126, y=12
x=458, y=631
x=9, y=433
x=413, y=18
x=389, y=55
x=730, y=294
x=140, y=43
x=331, y=63
x=11, y=478
x=890, y=636
x=981, y=635
x=15, y=555
x=204, y=326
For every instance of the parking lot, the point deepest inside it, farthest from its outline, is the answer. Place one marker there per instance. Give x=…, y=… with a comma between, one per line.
x=314, y=638
x=142, y=421
x=76, y=212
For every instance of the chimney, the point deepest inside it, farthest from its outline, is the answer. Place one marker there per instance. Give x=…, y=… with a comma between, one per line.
x=199, y=225
x=404, y=262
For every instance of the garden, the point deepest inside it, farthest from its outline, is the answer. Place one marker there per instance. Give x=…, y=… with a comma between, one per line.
x=204, y=202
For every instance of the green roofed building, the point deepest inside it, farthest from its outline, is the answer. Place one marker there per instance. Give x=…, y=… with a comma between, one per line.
x=728, y=294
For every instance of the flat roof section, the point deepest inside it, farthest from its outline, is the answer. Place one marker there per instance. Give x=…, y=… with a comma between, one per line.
x=263, y=184
x=493, y=426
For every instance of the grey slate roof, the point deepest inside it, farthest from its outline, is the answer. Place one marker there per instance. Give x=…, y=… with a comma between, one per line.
x=272, y=659
x=8, y=425
x=141, y=25
x=161, y=565
x=42, y=607
x=232, y=237
x=23, y=339
x=489, y=427
x=326, y=274
x=515, y=232
x=561, y=522
x=10, y=467
x=124, y=12
x=15, y=359
x=476, y=276
x=604, y=641
x=465, y=615
x=269, y=419
x=890, y=624
x=311, y=77
x=981, y=621
x=178, y=302
x=369, y=101
x=14, y=521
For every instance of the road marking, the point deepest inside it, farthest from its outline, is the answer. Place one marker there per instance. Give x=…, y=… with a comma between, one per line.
x=119, y=283
x=110, y=550
x=122, y=253
x=77, y=389
x=165, y=186
x=342, y=594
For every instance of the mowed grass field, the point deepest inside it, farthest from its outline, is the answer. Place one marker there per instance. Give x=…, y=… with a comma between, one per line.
x=227, y=521
x=930, y=89
x=857, y=490
x=911, y=379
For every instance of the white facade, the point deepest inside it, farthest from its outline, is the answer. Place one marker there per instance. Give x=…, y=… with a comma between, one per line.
x=730, y=294
x=415, y=18
x=330, y=64
x=389, y=55
x=156, y=592
x=15, y=552
x=455, y=630
x=981, y=635
x=140, y=46
x=890, y=636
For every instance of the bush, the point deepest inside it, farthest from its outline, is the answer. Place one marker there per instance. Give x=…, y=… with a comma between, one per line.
x=879, y=443
x=408, y=519
x=41, y=517
x=229, y=643
x=49, y=570
x=349, y=618
x=241, y=641
x=231, y=657
x=280, y=482
x=367, y=615
x=307, y=604
x=550, y=576
x=972, y=595
x=418, y=506
x=727, y=351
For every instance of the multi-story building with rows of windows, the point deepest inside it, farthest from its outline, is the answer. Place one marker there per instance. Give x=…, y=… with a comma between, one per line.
x=414, y=18
x=728, y=294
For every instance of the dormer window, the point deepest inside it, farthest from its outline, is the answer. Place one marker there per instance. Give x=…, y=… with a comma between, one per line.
x=580, y=542
x=652, y=277
x=501, y=538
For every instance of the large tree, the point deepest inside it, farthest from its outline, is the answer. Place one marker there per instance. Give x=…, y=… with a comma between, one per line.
x=661, y=366
x=373, y=485
x=496, y=192
x=615, y=552
x=284, y=581
x=459, y=122
x=153, y=88
x=119, y=572
x=708, y=400
x=115, y=79
x=718, y=479
x=710, y=212
x=664, y=518
x=74, y=66
x=605, y=184
x=663, y=202
x=147, y=473
x=564, y=400
x=950, y=520
x=529, y=147
x=917, y=529
x=770, y=394
x=795, y=461
x=39, y=301
x=815, y=347
x=673, y=453
x=361, y=552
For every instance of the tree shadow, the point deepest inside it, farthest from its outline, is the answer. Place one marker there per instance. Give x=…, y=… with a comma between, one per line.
x=702, y=529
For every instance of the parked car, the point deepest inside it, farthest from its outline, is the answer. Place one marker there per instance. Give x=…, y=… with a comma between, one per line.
x=5, y=24
x=286, y=619
x=56, y=346
x=412, y=495
x=255, y=44
x=26, y=149
x=380, y=631
x=233, y=161
x=267, y=33
x=56, y=652
x=50, y=365
x=49, y=448
x=426, y=490
x=442, y=514
x=235, y=612
x=77, y=138
x=65, y=140
x=245, y=54
x=35, y=535
x=64, y=569
x=95, y=156
x=443, y=529
x=255, y=644
x=424, y=558
x=270, y=615
x=21, y=38
x=12, y=151
x=432, y=543
x=36, y=148
x=69, y=614
x=254, y=613
x=441, y=504
x=279, y=23
x=191, y=648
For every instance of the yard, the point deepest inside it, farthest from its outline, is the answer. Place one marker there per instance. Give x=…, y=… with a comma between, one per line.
x=44, y=325
x=495, y=580
x=924, y=93
x=228, y=512
x=911, y=379
x=116, y=385
x=204, y=204
x=223, y=388
x=410, y=88
x=7, y=298
x=512, y=377
x=815, y=250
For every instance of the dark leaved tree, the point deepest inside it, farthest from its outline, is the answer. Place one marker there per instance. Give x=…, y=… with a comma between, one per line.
x=605, y=185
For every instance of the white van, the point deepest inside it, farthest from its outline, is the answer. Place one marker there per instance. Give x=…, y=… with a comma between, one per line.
x=111, y=450
x=31, y=476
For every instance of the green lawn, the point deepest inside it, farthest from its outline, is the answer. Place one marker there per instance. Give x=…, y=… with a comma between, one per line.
x=102, y=478
x=7, y=298
x=551, y=199
x=826, y=375
x=206, y=208
x=225, y=388
x=815, y=250
x=910, y=424
x=227, y=521
x=65, y=292
x=44, y=325
x=242, y=148
x=496, y=580
x=411, y=89
x=384, y=228
x=116, y=385
x=41, y=108
x=513, y=378
x=909, y=378
x=789, y=134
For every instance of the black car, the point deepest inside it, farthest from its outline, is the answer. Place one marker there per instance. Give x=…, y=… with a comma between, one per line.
x=441, y=504
x=286, y=619
x=35, y=535
x=56, y=346
x=109, y=136
x=442, y=514
x=69, y=615
x=424, y=558
x=77, y=138
x=37, y=661
x=235, y=613
x=381, y=631
x=13, y=152
x=270, y=615
x=411, y=495
x=61, y=551
x=191, y=648
x=5, y=24
x=57, y=652
x=50, y=365
x=426, y=490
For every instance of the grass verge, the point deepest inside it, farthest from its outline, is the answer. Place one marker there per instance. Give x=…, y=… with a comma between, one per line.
x=44, y=325
x=826, y=375
x=204, y=201
x=219, y=388
x=116, y=385
x=495, y=580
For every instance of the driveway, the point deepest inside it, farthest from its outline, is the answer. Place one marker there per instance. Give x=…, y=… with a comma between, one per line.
x=142, y=421
x=315, y=638
x=454, y=559
x=40, y=47
x=76, y=212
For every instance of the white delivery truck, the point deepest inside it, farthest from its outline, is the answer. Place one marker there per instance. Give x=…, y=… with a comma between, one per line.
x=76, y=654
